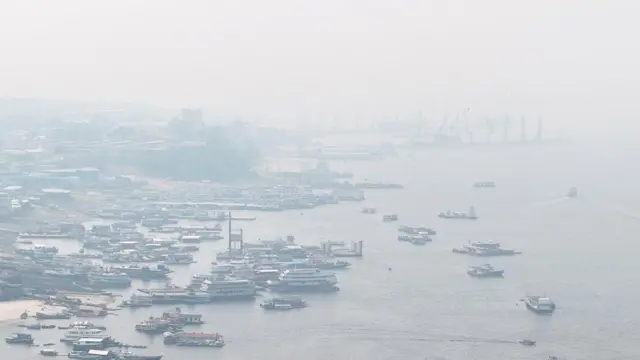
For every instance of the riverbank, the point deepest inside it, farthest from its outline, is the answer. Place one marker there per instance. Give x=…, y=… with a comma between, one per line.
x=10, y=311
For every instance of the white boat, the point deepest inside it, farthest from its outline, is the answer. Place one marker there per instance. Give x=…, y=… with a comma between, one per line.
x=301, y=280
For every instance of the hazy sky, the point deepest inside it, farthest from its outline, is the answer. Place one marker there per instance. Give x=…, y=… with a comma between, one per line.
x=569, y=60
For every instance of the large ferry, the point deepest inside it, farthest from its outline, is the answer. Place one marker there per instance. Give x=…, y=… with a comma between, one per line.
x=301, y=280
x=226, y=289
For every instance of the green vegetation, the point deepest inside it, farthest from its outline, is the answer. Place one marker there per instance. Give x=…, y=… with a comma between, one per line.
x=225, y=155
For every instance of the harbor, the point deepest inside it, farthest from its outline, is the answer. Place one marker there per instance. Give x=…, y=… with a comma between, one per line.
x=234, y=278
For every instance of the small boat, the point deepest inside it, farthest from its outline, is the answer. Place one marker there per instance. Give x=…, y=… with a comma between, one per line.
x=19, y=338
x=484, y=271
x=390, y=218
x=539, y=304
x=416, y=230
x=369, y=211
x=484, y=184
x=527, y=342
x=573, y=193
x=48, y=352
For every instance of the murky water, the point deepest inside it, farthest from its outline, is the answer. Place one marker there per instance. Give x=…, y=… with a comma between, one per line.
x=581, y=252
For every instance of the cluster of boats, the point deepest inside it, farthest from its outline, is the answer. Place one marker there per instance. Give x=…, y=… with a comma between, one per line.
x=223, y=284
x=88, y=342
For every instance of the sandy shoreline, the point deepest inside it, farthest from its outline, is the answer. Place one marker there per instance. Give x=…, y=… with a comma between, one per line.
x=10, y=311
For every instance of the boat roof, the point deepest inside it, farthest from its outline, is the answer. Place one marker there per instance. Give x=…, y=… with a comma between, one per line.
x=198, y=335
x=99, y=352
x=93, y=340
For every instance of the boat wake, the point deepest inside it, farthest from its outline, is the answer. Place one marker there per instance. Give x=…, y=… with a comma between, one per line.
x=553, y=201
x=624, y=213
x=411, y=336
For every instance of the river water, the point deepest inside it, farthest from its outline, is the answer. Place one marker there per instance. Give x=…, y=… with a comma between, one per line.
x=581, y=252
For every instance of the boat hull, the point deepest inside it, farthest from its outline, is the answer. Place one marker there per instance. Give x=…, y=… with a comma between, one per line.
x=540, y=311
x=458, y=217
x=491, y=274
x=304, y=289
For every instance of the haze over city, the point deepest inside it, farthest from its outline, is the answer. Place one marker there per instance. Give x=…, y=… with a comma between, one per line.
x=571, y=62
